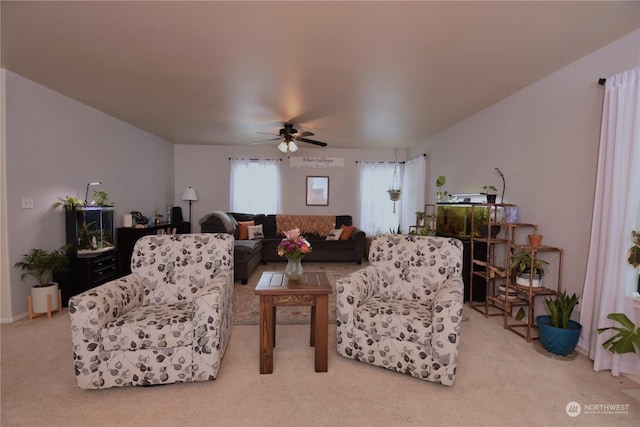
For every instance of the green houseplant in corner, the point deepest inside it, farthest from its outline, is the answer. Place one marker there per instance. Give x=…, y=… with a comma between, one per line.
x=627, y=337
x=41, y=265
x=558, y=333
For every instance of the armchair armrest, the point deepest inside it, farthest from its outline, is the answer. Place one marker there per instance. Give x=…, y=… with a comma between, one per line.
x=213, y=320
x=447, y=316
x=353, y=290
x=89, y=312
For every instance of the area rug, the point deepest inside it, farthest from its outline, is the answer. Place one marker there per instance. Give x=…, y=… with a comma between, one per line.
x=247, y=307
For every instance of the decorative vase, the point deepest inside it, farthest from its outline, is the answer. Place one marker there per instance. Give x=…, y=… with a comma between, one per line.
x=557, y=340
x=293, y=270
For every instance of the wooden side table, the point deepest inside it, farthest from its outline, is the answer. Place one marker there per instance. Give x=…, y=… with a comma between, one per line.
x=275, y=289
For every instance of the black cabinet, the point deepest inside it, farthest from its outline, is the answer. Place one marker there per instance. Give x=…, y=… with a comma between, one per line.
x=93, y=258
x=128, y=236
x=87, y=272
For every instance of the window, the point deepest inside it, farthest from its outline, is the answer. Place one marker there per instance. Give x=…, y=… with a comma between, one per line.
x=376, y=208
x=255, y=186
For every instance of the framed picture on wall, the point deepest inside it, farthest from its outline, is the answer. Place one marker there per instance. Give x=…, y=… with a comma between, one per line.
x=317, y=191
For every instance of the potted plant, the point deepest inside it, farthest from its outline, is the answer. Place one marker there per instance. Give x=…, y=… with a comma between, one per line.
x=483, y=223
x=490, y=191
x=521, y=267
x=440, y=181
x=69, y=202
x=558, y=333
x=633, y=255
x=627, y=338
x=42, y=264
x=534, y=238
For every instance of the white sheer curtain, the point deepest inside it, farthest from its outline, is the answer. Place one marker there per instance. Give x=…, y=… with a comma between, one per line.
x=414, y=176
x=376, y=209
x=610, y=280
x=255, y=186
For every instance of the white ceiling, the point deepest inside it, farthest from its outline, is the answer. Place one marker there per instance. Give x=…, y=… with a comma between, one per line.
x=357, y=74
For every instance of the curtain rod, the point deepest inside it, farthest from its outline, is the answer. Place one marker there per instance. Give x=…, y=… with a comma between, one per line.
x=402, y=163
x=602, y=81
x=239, y=158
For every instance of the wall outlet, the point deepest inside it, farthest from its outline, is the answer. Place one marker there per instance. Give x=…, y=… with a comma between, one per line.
x=27, y=203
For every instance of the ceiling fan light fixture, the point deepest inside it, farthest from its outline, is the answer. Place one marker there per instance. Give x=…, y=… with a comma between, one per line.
x=293, y=147
x=283, y=147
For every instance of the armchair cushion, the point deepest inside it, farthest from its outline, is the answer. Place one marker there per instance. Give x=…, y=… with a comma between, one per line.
x=150, y=326
x=390, y=317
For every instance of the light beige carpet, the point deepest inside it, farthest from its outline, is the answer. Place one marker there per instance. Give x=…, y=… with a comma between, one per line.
x=247, y=308
x=502, y=381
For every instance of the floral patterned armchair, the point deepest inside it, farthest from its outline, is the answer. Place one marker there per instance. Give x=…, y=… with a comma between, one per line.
x=403, y=311
x=168, y=321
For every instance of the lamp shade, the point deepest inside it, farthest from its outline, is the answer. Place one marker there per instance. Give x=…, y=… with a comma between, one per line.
x=190, y=194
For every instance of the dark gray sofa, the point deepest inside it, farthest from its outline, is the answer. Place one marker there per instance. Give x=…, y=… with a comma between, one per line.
x=249, y=253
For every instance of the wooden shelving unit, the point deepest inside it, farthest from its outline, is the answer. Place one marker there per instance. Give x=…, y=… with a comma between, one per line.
x=494, y=267
x=429, y=221
x=527, y=294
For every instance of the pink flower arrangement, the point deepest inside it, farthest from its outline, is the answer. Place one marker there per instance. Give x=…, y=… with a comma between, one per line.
x=293, y=245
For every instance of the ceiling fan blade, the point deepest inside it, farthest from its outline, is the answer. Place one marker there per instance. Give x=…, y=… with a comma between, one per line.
x=267, y=133
x=302, y=134
x=266, y=140
x=311, y=141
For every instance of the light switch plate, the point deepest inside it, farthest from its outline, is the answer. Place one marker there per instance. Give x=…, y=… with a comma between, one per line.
x=27, y=203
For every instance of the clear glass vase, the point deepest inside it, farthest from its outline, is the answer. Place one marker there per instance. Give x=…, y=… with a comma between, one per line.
x=293, y=270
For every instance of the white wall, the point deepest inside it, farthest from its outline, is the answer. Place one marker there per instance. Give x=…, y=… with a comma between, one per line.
x=54, y=147
x=206, y=168
x=544, y=139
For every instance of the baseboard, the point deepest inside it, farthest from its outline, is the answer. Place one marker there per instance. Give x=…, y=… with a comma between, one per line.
x=15, y=318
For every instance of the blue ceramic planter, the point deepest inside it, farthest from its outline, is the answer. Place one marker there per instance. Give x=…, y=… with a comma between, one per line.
x=557, y=340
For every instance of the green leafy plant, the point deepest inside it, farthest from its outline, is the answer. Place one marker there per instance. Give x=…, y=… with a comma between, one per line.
x=521, y=263
x=440, y=181
x=41, y=264
x=561, y=308
x=489, y=189
x=633, y=255
x=100, y=197
x=627, y=338
x=68, y=202
x=396, y=231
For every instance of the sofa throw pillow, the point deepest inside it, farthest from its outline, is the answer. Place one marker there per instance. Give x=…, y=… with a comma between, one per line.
x=243, y=230
x=347, y=231
x=255, y=232
x=334, y=234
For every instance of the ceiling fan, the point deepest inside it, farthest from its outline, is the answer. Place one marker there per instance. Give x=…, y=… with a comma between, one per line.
x=287, y=137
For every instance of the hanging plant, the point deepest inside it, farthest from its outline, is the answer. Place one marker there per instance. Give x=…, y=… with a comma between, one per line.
x=394, y=194
x=394, y=191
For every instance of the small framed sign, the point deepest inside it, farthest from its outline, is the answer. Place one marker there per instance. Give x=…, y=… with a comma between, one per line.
x=317, y=191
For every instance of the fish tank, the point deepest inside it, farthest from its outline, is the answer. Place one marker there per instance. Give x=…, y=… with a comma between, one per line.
x=90, y=230
x=454, y=219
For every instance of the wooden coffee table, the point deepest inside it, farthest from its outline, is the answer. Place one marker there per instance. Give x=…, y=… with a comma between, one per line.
x=275, y=289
